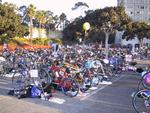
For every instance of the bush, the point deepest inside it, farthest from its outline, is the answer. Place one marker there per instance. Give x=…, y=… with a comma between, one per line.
x=56, y=40
x=45, y=41
x=20, y=41
x=35, y=41
x=38, y=41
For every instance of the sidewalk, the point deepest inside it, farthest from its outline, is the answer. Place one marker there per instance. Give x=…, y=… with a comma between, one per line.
x=13, y=105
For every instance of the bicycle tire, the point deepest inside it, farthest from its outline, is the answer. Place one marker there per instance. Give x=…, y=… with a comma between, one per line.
x=13, y=77
x=18, y=82
x=70, y=87
x=144, y=85
x=138, y=98
x=85, y=84
x=95, y=80
x=45, y=76
x=140, y=84
x=118, y=71
x=109, y=71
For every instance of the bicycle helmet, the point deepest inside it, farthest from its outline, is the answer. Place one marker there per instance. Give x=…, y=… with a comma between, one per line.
x=106, y=61
x=147, y=79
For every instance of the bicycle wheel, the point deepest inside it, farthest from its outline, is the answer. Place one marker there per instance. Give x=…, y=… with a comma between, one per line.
x=118, y=70
x=95, y=80
x=2, y=72
x=85, y=84
x=140, y=85
x=45, y=76
x=141, y=101
x=109, y=71
x=19, y=81
x=70, y=87
x=15, y=76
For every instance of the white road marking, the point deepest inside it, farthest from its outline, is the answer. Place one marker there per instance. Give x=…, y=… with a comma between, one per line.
x=82, y=94
x=57, y=100
x=106, y=82
x=93, y=88
x=94, y=92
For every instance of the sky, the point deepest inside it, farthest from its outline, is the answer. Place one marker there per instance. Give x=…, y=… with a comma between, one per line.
x=64, y=6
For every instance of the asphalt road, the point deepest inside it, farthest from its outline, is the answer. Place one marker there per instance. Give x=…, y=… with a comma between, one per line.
x=113, y=98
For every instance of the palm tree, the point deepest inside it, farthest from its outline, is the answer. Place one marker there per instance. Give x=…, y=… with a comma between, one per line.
x=56, y=21
x=31, y=13
x=23, y=13
x=41, y=18
x=63, y=18
x=49, y=24
x=49, y=17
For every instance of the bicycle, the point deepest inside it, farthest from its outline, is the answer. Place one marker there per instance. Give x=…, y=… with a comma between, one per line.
x=64, y=81
x=145, y=80
x=141, y=101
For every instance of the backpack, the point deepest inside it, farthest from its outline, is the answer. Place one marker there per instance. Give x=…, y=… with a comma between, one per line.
x=35, y=92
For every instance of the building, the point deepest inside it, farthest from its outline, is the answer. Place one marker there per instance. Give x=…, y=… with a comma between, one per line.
x=138, y=10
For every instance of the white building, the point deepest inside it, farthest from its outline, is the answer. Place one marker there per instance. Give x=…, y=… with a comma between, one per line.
x=138, y=10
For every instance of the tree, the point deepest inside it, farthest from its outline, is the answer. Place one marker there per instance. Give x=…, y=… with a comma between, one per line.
x=56, y=21
x=31, y=13
x=41, y=18
x=80, y=4
x=107, y=20
x=88, y=12
x=10, y=22
x=49, y=18
x=63, y=18
x=23, y=14
x=49, y=25
x=140, y=30
x=116, y=16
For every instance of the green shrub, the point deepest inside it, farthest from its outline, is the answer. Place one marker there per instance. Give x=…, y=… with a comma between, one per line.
x=35, y=41
x=38, y=41
x=21, y=41
x=56, y=40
